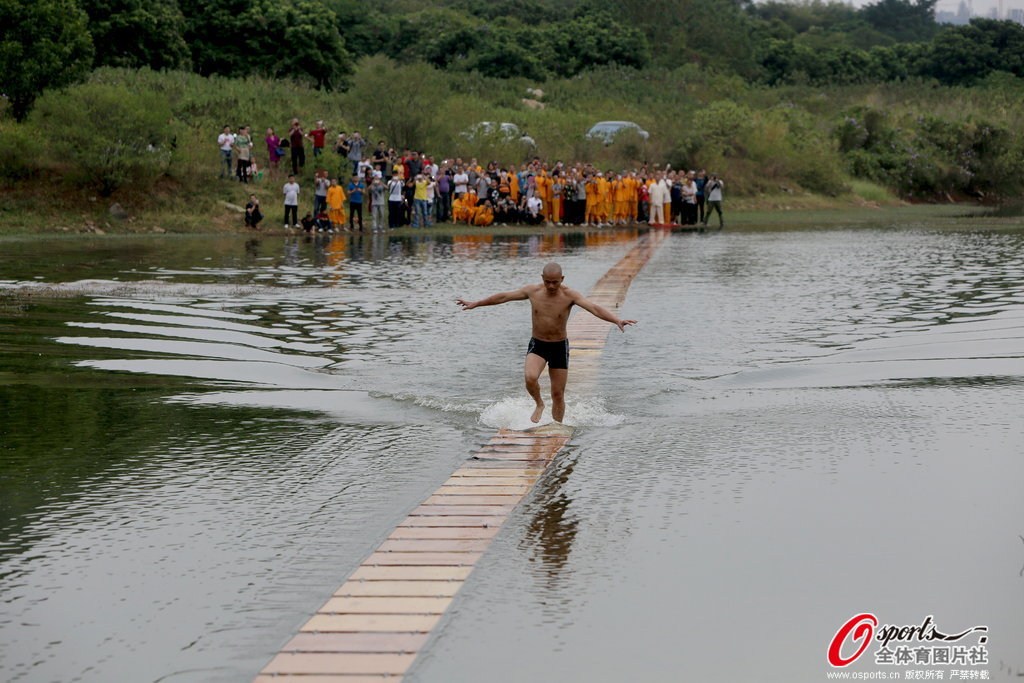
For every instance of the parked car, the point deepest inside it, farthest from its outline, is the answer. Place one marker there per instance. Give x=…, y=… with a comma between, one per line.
x=505, y=131
x=607, y=130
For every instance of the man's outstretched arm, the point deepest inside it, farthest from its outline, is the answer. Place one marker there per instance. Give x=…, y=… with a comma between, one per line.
x=601, y=312
x=494, y=299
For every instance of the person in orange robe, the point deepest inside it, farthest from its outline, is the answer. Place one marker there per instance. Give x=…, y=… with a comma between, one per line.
x=464, y=208
x=604, y=191
x=591, y=208
x=616, y=192
x=543, y=181
x=513, y=181
x=633, y=198
x=336, y=204
x=484, y=214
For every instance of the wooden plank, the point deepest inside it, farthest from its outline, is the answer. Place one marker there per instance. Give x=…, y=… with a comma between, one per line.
x=409, y=573
x=410, y=589
x=461, y=510
x=411, y=559
x=481, y=521
x=380, y=604
x=332, y=663
x=435, y=533
x=504, y=501
x=371, y=623
x=504, y=464
x=470, y=470
x=489, y=489
x=356, y=642
x=446, y=545
x=465, y=482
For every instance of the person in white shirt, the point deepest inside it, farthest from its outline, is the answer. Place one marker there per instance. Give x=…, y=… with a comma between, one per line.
x=226, y=142
x=291, y=202
x=534, y=206
x=713, y=191
x=395, y=199
x=461, y=181
x=660, y=194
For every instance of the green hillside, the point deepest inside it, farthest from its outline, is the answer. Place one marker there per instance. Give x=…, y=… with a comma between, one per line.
x=122, y=99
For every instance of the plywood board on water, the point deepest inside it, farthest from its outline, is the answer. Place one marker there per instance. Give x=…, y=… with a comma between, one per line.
x=381, y=604
x=410, y=559
x=404, y=533
x=363, y=623
x=412, y=589
x=332, y=663
x=407, y=573
x=465, y=519
x=434, y=545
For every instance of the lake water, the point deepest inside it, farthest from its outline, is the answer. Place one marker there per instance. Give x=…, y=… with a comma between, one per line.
x=202, y=437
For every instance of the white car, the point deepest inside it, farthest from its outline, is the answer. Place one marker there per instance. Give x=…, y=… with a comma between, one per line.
x=505, y=131
x=607, y=130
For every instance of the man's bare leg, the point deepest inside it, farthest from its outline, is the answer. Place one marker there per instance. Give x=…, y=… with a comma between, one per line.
x=558, y=379
x=534, y=366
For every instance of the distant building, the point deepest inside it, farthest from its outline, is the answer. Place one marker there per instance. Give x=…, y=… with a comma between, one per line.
x=1017, y=15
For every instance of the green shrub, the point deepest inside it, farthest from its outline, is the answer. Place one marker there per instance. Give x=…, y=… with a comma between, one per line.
x=108, y=134
x=21, y=151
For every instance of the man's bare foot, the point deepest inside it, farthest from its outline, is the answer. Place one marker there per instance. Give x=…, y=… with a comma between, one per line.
x=537, y=412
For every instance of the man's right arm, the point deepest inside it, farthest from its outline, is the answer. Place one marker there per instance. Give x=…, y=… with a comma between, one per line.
x=494, y=299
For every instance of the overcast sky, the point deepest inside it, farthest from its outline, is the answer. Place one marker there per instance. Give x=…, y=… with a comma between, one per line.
x=981, y=7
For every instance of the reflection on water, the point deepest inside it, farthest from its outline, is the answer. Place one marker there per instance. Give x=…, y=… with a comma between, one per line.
x=202, y=437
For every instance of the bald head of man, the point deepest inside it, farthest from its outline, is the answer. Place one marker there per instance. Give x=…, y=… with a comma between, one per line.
x=552, y=276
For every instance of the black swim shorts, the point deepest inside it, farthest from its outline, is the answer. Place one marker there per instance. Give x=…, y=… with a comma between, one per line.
x=555, y=353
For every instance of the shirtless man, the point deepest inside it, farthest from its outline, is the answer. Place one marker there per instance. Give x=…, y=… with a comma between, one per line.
x=551, y=302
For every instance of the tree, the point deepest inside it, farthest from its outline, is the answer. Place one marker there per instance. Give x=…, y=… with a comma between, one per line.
x=437, y=36
x=295, y=39
x=43, y=44
x=904, y=20
x=138, y=33
x=400, y=101
x=365, y=28
x=592, y=40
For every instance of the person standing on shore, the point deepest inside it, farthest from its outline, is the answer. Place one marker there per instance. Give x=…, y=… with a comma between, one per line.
x=378, y=203
x=700, y=181
x=295, y=136
x=336, y=205
x=713, y=190
x=318, y=135
x=659, y=195
x=274, y=152
x=356, y=186
x=355, y=151
x=226, y=142
x=396, y=188
x=291, y=202
x=551, y=302
x=243, y=150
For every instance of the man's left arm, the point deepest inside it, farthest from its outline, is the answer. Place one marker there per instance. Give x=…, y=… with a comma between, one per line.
x=600, y=311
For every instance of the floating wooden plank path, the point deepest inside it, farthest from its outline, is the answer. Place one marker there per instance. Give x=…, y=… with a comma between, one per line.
x=376, y=623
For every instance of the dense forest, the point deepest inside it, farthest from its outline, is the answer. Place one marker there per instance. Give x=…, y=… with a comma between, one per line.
x=806, y=95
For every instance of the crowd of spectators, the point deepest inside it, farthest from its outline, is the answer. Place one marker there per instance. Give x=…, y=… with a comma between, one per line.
x=415, y=189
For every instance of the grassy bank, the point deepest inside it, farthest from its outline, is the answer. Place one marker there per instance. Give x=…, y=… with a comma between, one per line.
x=210, y=213
x=145, y=140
